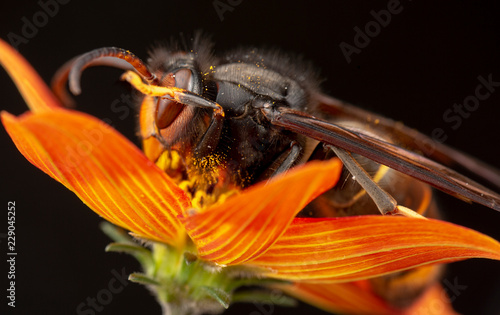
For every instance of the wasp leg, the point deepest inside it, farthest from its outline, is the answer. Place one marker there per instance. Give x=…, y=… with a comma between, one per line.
x=385, y=202
x=189, y=98
x=284, y=162
x=211, y=137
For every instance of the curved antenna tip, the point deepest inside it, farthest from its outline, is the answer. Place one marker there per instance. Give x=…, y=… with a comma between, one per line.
x=74, y=86
x=98, y=56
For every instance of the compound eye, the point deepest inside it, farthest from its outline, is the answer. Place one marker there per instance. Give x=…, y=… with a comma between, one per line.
x=166, y=109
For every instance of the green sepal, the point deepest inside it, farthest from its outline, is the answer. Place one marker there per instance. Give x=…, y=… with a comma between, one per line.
x=132, y=249
x=143, y=255
x=219, y=295
x=115, y=233
x=143, y=279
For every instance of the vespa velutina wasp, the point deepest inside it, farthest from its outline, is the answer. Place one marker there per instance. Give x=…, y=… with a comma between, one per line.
x=250, y=114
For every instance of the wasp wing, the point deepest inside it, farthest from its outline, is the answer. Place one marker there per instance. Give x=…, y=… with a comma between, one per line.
x=380, y=151
x=409, y=138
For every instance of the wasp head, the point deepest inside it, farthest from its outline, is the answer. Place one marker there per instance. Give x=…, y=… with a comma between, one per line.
x=170, y=117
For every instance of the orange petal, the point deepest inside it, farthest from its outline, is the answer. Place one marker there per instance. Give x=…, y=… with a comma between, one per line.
x=353, y=248
x=245, y=226
x=434, y=301
x=34, y=91
x=343, y=298
x=105, y=170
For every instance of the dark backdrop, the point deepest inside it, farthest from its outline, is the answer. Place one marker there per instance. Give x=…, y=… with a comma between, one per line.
x=425, y=60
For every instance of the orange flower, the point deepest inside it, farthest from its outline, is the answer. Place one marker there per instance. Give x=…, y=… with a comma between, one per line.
x=254, y=233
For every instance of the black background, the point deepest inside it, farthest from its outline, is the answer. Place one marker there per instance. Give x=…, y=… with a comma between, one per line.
x=426, y=59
